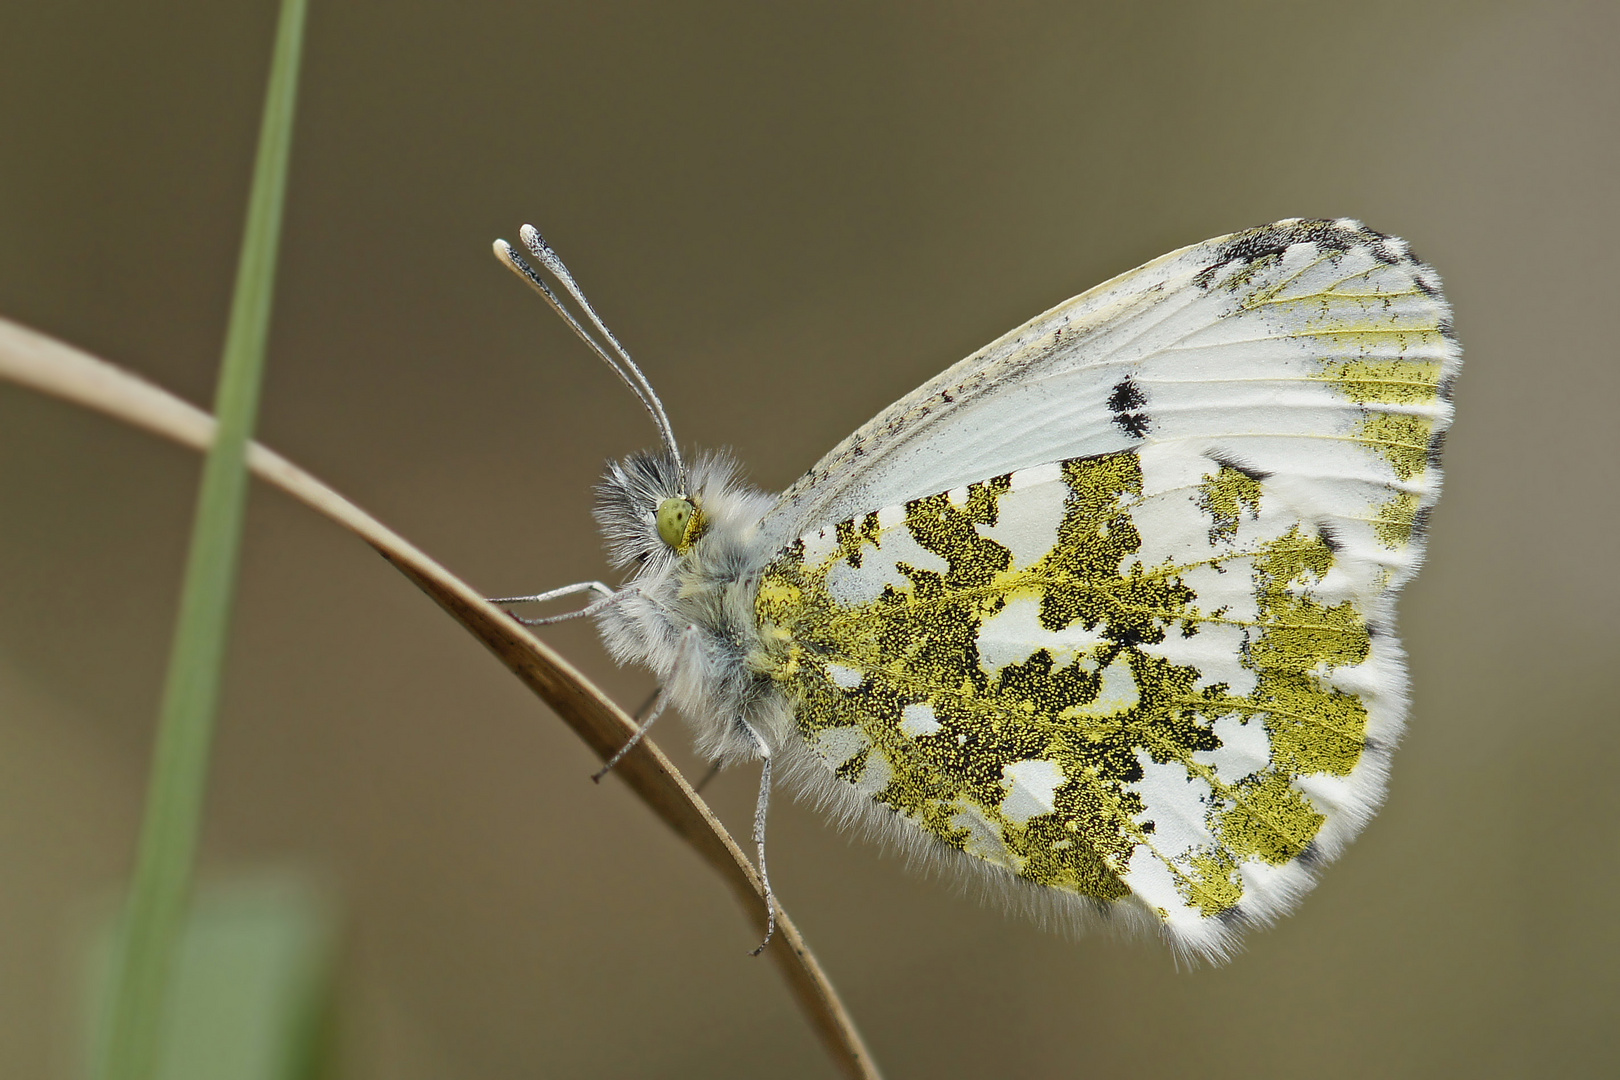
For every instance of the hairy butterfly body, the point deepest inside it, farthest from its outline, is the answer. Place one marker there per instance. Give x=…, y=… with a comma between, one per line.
x=1102, y=615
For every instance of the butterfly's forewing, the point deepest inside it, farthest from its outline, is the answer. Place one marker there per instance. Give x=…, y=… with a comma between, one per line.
x=1293, y=348
x=1163, y=673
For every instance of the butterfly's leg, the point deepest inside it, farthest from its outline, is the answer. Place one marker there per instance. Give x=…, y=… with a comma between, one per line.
x=659, y=703
x=759, y=835
x=640, y=717
x=646, y=706
x=605, y=595
x=655, y=698
x=661, y=700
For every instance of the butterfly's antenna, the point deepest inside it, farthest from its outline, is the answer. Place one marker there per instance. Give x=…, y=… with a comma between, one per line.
x=619, y=357
x=552, y=262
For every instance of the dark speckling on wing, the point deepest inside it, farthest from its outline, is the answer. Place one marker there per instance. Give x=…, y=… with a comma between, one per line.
x=1126, y=403
x=1270, y=241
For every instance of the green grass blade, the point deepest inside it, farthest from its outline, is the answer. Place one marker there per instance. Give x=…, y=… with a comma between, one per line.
x=179, y=776
x=252, y=989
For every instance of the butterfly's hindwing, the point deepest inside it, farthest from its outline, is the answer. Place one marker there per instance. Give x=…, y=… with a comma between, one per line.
x=1129, y=674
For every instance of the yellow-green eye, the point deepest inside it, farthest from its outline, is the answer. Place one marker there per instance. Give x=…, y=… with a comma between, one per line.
x=674, y=521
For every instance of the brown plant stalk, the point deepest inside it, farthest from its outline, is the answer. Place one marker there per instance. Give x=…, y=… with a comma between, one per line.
x=48, y=366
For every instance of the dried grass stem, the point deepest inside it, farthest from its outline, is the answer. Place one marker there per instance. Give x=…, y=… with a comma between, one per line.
x=54, y=368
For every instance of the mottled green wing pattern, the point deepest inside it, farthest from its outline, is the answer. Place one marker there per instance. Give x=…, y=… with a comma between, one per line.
x=1020, y=674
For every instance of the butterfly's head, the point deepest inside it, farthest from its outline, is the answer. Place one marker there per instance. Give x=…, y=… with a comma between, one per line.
x=652, y=511
x=648, y=511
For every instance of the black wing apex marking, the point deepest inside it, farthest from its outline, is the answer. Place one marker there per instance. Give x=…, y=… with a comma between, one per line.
x=1270, y=241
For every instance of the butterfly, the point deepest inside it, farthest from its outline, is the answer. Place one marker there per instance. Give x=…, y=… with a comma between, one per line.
x=1101, y=617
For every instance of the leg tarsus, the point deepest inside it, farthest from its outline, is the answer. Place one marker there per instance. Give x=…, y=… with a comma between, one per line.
x=555, y=594
x=605, y=597
x=658, y=709
x=759, y=841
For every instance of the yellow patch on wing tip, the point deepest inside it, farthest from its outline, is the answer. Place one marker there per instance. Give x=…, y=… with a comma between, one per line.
x=1394, y=382
x=1403, y=439
x=1396, y=520
x=1410, y=379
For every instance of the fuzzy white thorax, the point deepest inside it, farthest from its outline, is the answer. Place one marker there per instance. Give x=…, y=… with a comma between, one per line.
x=689, y=616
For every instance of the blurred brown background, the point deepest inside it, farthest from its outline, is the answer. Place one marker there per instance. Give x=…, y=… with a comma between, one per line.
x=792, y=214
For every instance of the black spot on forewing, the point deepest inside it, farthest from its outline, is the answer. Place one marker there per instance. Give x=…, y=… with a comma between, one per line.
x=1133, y=424
x=1126, y=403
x=1127, y=395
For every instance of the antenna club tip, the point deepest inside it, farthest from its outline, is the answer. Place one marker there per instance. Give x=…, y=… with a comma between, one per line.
x=541, y=250
x=508, y=258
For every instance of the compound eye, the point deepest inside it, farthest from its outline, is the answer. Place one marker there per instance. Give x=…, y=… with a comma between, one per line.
x=674, y=519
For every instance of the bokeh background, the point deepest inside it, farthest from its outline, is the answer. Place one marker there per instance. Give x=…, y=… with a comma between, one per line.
x=792, y=214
